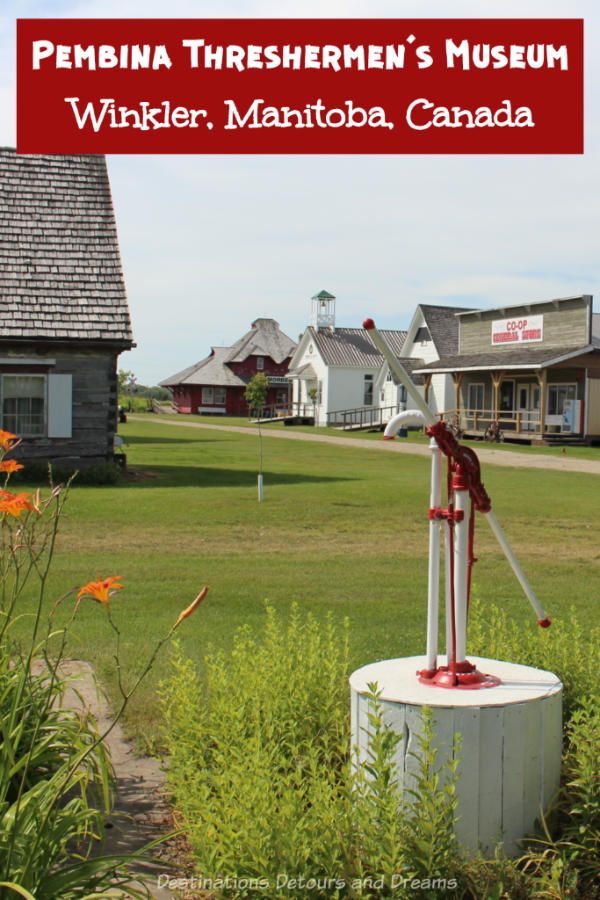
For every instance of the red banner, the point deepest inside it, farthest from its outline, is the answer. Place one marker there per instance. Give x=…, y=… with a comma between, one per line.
x=300, y=86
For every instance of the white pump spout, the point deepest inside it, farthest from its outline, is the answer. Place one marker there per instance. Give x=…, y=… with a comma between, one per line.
x=408, y=417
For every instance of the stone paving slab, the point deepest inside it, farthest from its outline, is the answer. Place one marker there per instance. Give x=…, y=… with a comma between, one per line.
x=141, y=812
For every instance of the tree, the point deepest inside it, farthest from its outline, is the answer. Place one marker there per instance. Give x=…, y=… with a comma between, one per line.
x=127, y=384
x=256, y=395
x=313, y=393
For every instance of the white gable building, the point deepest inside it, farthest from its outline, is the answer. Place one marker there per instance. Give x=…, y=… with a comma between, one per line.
x=432, y=335
x=340, y=363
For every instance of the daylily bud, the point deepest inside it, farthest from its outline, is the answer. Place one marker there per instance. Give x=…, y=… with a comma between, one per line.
x=192, y=607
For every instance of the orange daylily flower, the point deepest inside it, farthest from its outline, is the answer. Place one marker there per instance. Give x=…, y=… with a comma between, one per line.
x=101, y=589
x=192, y=607
x=14, y=504
x=10, y=465
x=7, y=439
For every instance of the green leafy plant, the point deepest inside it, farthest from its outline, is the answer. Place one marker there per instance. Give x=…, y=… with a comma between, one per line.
x=36, y=472
x=264, y=782
x=257, y=752
x=313, y=393
x=565, y=858
x=568, y=649
x=56, y=779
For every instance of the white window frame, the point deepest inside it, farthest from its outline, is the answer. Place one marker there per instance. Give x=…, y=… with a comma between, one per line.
x=220, y=396
x=208, y=395
x=16, y=429
x=260, y=363
x=556, y=386
x=368, y=386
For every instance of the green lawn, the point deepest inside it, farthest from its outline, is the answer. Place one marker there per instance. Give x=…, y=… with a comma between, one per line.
x=341, y=529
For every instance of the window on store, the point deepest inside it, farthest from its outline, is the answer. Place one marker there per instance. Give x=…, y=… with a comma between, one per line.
x=260, y=363
x=24, y=404
x=220, y=395
x=507, y=393
x=208, y=395
x=557, y=394
x=368, y=390
x=476, y=396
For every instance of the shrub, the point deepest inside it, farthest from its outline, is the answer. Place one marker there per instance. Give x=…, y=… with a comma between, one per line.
x=260, y=769
x=568, y=649
x=98, y=474
x=257, y=752
x=567, y=859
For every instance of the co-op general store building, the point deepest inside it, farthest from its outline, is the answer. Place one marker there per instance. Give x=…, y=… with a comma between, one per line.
x=534, y=368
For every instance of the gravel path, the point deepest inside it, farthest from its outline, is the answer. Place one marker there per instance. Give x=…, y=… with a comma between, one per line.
x=487, y=455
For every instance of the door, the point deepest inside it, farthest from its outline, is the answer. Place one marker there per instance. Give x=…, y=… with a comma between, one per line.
x=507, y=409
x=525, y=398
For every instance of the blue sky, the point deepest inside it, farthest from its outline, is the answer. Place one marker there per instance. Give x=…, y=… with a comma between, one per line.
x=210, y=243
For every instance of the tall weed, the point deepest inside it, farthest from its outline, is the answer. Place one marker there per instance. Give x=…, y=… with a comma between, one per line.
x=565, y=861
x=262, y=779
x=567, y=648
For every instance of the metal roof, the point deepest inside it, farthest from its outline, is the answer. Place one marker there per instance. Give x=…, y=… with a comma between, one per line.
x=60, y=268
x=502, y=309
x=306, y=372
x=352, y=346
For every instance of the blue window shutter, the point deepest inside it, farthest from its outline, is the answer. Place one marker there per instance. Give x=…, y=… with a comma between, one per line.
x=60, y=406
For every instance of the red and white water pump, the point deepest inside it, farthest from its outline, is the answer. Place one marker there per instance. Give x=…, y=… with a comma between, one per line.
x=456, y=521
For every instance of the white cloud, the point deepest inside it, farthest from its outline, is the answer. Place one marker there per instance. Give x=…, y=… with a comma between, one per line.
x=210, y=243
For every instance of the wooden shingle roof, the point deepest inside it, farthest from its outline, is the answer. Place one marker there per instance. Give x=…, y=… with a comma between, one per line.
x=443, y=326
x=60, y=269
x=265, y=338
x=211, y=370
x=522, y=358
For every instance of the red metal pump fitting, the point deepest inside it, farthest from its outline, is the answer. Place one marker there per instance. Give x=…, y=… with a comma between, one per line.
x=453, y=515
x=460, y=480
x=545, y=623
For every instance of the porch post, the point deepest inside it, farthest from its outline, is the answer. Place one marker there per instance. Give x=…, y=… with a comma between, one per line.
x=542, y=378
x=426, y=386
x=457, y=378
x=497, y=379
